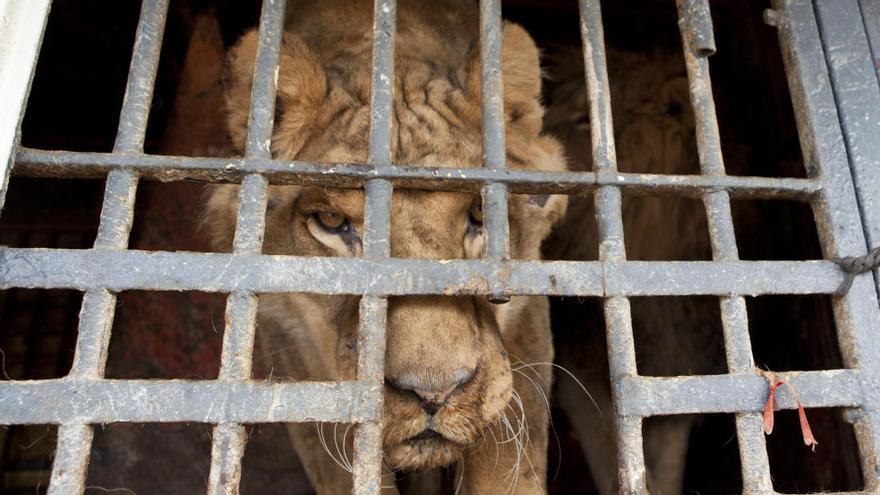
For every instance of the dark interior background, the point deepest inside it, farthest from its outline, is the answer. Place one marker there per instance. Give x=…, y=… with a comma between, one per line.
x=74, y=105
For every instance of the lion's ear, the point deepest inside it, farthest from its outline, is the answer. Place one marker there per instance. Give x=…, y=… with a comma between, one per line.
x=521, y=74
x=302, y=86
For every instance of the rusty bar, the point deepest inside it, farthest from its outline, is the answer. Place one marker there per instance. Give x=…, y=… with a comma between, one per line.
x=71, y=461
x=73, y=401
x=227, y=449
x=695, y=24
x=696, y=19
x=609, y=219
x=835, y=209
x=71, y=164
x=367, y=466
x=496, y=225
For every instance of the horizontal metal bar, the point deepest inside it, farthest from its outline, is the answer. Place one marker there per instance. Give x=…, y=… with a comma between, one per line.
x=68, y=164
x=219, y=272
x=171, y=401
x=650, y=396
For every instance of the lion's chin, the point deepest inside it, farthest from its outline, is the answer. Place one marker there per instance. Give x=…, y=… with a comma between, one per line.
x=412, y=455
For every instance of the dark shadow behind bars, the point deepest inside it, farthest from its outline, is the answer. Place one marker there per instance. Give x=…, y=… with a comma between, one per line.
x=83, y=398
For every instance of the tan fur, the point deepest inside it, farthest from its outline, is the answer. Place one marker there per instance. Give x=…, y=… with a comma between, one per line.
x=654, y=131
x=432, y=342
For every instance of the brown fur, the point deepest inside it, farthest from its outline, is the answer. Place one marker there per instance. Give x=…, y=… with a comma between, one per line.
x=654, y=131
x=432, y=342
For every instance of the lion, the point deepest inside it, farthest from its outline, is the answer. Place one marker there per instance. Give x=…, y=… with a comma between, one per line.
x=463, y=385
x=654, y=131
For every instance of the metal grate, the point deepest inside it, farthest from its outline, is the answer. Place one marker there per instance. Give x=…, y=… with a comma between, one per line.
x=84, y=397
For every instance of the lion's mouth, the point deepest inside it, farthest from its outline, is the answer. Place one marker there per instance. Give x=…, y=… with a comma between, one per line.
x=427, y=434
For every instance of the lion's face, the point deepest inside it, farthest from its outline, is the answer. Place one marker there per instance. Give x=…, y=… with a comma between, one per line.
x=447, y=372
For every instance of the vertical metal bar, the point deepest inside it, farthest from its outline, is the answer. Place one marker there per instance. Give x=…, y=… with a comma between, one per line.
x=494, y=155
x=371, y=368
x=141, y=77
x=373, y=310
x=227, y=448
x=95, y=322
x=618, y=318
x=491, y=84
x=71, y=459
x=250, y=223
x=229, y=439
x=236, y=359
x=837, y=216
x=695, y=24
x=117, y=213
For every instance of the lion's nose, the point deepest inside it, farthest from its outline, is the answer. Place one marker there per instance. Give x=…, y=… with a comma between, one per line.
x=431, y=395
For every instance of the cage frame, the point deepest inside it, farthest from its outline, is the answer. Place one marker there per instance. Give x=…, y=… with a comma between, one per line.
x=846, y=228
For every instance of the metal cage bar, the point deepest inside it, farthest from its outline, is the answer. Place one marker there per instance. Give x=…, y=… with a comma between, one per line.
x=117, y=213
x=697, y=34
x=81, y=399
x=497, y=228
x=836, y=212
x=373, y=309
x=229, y=439
x=609, y=218
x=69, y=164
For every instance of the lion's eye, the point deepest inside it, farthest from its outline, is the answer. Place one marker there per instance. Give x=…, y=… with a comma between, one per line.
x=332, y=222
x=475, y=217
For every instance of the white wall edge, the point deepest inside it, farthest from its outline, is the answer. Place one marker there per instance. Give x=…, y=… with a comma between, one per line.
x=22, y=23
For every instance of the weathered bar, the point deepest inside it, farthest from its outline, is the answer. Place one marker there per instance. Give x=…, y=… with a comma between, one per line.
x=372, y=323
x=75, y=401
x=609, y=219
x=70, y=164
x=229, y=439
x=836, y=211
x=698, y=43
x=217, y=272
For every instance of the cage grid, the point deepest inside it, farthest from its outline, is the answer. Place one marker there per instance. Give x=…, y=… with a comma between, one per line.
x=85, y=397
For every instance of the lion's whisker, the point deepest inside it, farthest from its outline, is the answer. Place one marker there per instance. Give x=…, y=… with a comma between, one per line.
x=573, y=377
